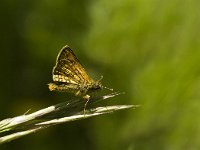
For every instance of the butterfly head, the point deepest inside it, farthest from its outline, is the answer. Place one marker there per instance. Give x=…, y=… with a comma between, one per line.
x=98, y=85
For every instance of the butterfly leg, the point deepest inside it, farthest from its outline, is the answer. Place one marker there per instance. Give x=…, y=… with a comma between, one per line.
x=78, y=93
x=82, y=93
x=85, y=97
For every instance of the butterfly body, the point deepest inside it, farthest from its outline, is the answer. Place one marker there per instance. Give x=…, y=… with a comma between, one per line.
x=79, y=90
x=70, y=76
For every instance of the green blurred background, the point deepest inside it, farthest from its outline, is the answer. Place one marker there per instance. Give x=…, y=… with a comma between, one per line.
x=148, y=49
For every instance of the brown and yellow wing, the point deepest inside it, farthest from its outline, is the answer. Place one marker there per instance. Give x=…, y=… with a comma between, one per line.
x=68, y=68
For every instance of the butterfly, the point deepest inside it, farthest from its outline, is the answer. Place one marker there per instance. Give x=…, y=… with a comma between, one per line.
x=70, y=76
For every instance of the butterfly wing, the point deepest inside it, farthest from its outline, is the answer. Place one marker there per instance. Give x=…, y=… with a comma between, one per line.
x=68, y=68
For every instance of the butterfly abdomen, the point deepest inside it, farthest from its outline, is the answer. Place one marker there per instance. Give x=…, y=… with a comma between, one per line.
x=62, y=87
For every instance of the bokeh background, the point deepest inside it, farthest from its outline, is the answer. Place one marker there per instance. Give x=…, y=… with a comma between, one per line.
x=148, y=49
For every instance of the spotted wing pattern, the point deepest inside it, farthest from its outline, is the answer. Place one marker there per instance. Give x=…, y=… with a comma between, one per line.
x=68, y=69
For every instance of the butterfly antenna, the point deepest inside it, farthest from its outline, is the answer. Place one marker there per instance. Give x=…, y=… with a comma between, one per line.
x=107, y=88
x=104, y=87
x=100, y=79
